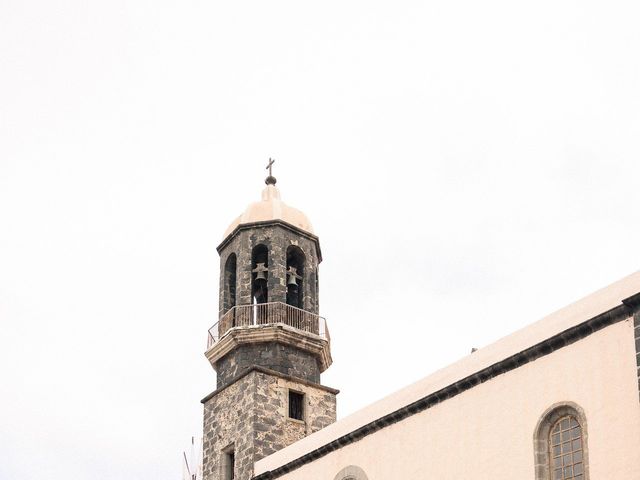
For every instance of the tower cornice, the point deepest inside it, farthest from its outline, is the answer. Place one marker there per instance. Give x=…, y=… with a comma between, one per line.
x=273, y=373
x=279, y=333
x=270, y=223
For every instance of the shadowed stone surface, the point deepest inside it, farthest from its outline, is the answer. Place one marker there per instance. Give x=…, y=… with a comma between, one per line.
x=281, y=358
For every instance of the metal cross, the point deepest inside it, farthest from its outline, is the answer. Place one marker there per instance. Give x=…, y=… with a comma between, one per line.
x=271, y=162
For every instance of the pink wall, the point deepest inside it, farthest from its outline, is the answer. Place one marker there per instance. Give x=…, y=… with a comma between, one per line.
x=487, y=432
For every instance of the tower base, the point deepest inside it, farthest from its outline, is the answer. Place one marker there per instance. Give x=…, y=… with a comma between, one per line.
x=251, y=418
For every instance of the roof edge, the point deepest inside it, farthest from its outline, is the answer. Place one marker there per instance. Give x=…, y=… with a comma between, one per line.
x=571, y=335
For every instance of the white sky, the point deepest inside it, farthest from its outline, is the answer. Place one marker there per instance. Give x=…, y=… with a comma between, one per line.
x=469, y=166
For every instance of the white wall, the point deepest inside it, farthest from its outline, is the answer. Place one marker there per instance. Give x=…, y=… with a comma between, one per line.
x=487, y=432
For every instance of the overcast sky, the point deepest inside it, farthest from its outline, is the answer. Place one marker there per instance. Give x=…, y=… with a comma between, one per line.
x=469, y=167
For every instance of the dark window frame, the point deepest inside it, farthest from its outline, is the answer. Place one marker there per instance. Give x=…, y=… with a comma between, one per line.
x=296, y=405
x=229, y=463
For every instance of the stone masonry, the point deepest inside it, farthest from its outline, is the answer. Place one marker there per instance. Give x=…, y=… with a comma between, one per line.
x=285, y=359
x=250, y=417
x=277, y=238
x=259, y=362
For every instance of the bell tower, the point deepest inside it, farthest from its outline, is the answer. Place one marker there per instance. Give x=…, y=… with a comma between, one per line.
x=269, y=345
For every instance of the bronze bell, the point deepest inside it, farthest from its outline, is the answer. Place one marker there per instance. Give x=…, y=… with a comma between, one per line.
x=261, y=272
x=292, y=276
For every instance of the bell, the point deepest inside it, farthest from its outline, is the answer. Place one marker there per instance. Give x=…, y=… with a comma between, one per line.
x=292, y=276
x=260, y=271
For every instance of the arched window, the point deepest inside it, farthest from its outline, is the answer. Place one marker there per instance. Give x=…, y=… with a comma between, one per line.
x=560, y=444
x=295, y=276
x=352, y=472
x=259, y=274
x=229, y=292
x=566, y=455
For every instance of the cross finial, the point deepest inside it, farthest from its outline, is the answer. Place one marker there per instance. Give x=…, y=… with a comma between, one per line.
x=271, y=180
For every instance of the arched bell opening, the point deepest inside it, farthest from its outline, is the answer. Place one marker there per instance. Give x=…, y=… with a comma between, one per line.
x=259, y=274
x=317, y=292
x=295, y=276
x=229, y=292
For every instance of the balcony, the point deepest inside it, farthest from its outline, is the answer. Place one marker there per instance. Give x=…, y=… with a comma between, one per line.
x=268, y=314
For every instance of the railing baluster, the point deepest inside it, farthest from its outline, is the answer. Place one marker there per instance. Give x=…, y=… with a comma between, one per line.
x=267, y=313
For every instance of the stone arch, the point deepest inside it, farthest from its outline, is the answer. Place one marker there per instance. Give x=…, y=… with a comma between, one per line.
x=229, y=282
x=259, y=261
x=352, y=472
x=542, y=441
x=296, y=260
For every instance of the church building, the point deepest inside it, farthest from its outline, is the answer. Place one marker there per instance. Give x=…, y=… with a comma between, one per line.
x=557, y=400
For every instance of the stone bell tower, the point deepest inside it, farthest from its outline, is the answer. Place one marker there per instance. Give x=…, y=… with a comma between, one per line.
x=269, y=345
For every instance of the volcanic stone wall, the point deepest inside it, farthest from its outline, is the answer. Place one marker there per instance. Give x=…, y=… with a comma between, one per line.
x=282, y=358
x=250, y=418
x=277, y=237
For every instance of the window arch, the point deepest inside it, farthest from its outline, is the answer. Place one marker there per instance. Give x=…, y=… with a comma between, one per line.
x=259, y=275
x=560, y=444
x=352, y=472
x=295, y=276
x=229, y=292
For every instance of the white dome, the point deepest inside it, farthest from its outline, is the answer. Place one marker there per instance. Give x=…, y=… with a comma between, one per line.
x=271, y=208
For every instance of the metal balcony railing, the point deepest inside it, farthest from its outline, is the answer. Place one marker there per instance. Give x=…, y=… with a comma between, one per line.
x=266, y=314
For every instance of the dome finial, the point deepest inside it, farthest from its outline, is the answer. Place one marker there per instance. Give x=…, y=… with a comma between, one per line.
x=270, y=180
